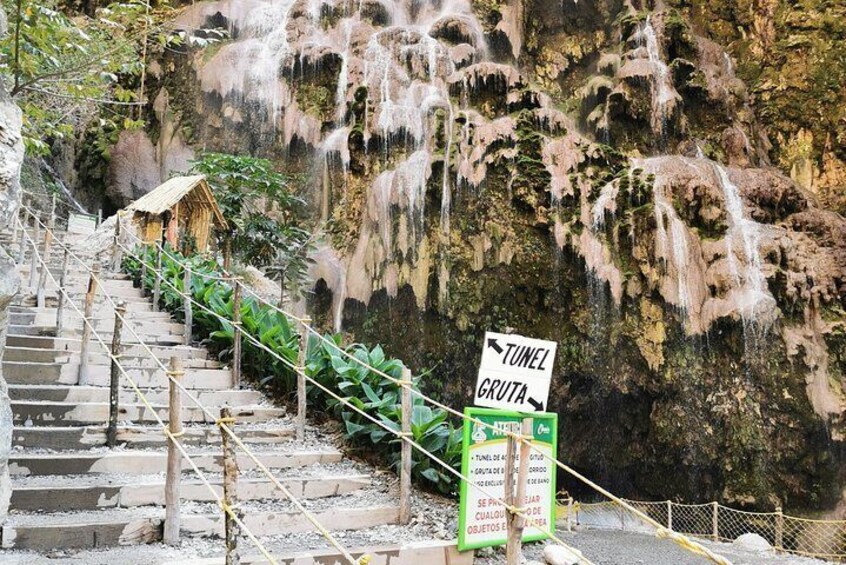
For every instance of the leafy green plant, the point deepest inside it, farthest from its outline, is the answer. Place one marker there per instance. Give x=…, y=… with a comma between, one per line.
x=349, y=378
x=264, y=216
x=73, y=67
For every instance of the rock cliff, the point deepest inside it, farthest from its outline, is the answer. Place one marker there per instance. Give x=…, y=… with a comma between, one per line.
x=597, y=173
x=11, y=157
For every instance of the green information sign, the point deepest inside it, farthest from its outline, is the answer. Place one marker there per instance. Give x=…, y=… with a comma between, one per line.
x=482, y=520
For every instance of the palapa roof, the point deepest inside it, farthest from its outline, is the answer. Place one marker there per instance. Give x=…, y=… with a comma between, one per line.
x=167, y=195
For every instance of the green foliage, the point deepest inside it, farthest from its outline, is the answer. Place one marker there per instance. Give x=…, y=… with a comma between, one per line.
x=60, y=63
x=69, y=69
x=356, y=384
x=264, y=216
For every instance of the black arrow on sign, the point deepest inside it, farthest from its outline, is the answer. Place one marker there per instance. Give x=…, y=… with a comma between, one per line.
x=538, y=405
x=494, y=345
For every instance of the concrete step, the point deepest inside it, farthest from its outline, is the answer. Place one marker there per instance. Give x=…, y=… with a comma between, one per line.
x=144, y=360
x=147, y=334
x=149, y=491
x=124, y=527
x=70, y=438
x=43, y=413
x=293, y=521
x=47, y=317
x=25, y=373
x=149, y=462
x=87, y=394
x=72, y=344
x=28, y=301
x=78, y=282
x=427, y=552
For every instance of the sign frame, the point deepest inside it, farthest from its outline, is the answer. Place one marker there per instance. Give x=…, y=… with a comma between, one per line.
x=508, y=378
x=476, y=412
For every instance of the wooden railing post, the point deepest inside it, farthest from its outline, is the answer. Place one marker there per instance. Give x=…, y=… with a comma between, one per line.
x=16, y=217
x=405, y=458
x=230, y=489
x=144, y=269
x=88, y=310
x=622, y=512
x=516, y=522
x=22, y=244
x=157, y=281
x=715, y=521
x=45, y=260
x=116, y=251
x=187, y=306
x=33, y=263
x=669, y=514
x=114, y=377
x=60, y=306
x=511, y=450
x=779, y=530
x=569, y=513
x=99, y=217
x=174, y=456
x=301, y=380
x=236, y=338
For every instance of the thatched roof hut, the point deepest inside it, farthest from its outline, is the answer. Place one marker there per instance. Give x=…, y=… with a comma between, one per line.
x=181, y=208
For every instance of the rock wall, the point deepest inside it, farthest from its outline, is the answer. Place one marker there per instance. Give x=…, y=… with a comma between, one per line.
x=791, y=56
x=590, y=172
x=11, y=157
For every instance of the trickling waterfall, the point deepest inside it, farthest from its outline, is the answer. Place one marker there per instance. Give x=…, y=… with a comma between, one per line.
x=755, y=297
x=334, y=149
x=602, y=204
x=64, y=188
x=673, y=247
x=664, y=95
x=343, y=75
x=446, y=192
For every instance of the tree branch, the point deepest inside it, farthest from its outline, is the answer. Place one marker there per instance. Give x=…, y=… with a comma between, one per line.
x=83, y=98
x=18, y=43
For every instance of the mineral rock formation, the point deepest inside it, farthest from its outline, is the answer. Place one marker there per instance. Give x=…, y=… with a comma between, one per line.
x=590, y=172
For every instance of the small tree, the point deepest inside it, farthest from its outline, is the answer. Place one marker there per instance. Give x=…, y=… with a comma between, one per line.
x=265, y=218
x=68, y=68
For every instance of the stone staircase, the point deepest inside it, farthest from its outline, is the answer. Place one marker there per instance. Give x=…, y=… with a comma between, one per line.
x=71, y=493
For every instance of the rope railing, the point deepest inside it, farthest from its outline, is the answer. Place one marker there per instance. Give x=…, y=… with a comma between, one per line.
x=222, y=425
x=225, y=278
x=809, y=537
x=60, y=200
x=399, y=435
x=116, y=360
x=660, y=530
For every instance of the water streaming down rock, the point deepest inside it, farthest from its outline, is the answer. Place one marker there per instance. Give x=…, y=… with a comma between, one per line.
x=664, y=95
x=708, y=279
x=755, y=299
x=404, y=53
x=343, y=75
x=333, y=155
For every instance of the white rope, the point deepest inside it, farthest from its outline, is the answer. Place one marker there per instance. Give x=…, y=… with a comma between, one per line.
x=311, y=518
x=161, y=423
x=662, y=531
x=345, y=402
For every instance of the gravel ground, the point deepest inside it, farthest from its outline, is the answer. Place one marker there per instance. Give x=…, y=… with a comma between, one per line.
x=603, y=547
x=610, y=547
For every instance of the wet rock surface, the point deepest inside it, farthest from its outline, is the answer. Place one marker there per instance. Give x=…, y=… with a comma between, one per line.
x=597, y=173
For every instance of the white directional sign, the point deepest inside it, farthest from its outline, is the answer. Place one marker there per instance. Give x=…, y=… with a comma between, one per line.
x=515, y=373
